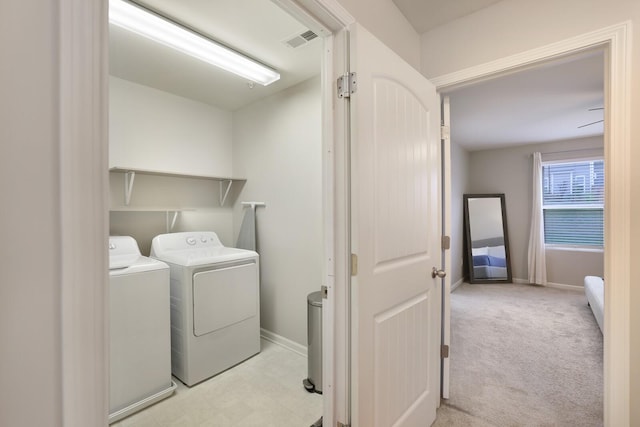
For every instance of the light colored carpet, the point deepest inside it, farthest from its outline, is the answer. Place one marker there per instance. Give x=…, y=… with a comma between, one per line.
x=523, y=355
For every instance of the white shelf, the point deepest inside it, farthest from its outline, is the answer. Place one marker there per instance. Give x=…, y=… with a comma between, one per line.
x=173, y=174
x=130, y=174
x=146, y=209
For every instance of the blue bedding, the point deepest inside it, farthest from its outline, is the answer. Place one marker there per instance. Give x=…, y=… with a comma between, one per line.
x=488, y=260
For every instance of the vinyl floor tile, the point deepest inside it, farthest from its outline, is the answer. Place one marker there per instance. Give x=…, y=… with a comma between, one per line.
x=264, y=391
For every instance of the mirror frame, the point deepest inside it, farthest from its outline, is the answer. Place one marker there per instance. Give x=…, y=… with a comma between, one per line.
x=467, y=240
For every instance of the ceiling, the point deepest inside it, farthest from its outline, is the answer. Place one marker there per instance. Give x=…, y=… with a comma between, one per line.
x=425, y=15
x=542, y=104
x=256, y=28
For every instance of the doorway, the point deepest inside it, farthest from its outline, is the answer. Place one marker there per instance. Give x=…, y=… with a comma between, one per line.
x=202, y=145
x=544, y=109
x=612, y=40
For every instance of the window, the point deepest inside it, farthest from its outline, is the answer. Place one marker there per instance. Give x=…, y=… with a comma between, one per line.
x=573, y=203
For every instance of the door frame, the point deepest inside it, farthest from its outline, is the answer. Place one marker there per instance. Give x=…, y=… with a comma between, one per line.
x=617, y=146
x=84, y=193
x=331, y=21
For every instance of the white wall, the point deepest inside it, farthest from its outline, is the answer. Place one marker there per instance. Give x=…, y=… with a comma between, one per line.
x=152, y=129
x=513, y=26
x=275, y=144
x=385, y=21
x=570, y=266
x=30, y=285
x=277, y=147
x=459, y=186
x=509, y=171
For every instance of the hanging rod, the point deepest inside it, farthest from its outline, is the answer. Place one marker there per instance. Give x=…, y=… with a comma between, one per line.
x=577, y=150
x=588, y=152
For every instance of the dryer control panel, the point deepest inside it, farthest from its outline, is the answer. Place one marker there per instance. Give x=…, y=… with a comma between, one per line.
x=185, y=240
x=201, y=240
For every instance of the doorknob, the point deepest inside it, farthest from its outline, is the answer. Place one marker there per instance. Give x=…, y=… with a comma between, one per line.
x=438, y=273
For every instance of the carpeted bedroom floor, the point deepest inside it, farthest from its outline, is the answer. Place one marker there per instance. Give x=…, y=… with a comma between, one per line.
x=523, y=355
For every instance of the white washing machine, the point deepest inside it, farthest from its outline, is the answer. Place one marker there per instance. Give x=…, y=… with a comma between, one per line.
x=140, y=343
x=215, y=303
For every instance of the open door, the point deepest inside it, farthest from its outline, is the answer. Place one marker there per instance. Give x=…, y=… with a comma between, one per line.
x=446, y=246
x=396, y=235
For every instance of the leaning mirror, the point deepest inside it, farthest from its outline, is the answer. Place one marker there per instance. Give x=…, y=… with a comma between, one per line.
x=486, y=240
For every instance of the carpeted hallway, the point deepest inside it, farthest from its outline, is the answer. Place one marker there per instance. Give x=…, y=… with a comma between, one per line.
x=523, y=355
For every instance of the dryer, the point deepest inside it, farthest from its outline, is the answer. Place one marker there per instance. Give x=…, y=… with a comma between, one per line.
x=215, y=303
x=139, y=333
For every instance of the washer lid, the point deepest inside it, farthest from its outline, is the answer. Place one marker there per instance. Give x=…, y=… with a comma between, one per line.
x=123, y=251
x=140, y=265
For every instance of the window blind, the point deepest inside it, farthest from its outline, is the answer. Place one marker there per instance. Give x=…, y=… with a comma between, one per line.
x=573, y=202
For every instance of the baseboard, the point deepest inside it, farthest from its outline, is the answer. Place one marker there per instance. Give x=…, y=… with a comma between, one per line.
x=283, y=342
x=454, y=286
x=567, y=287
x=553, y=285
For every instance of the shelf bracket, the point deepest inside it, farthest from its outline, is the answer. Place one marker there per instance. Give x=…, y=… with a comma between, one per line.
x=171, y=223
x=223, y=198
x=129, y=176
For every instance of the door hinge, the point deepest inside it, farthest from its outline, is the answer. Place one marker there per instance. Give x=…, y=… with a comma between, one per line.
x=446, y=242
x=354, y=264
x=324, y=291
x=444, y=351
x=445, y=132
x=347, y=85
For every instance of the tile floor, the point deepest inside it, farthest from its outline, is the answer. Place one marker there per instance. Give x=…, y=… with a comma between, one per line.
x=264, y=391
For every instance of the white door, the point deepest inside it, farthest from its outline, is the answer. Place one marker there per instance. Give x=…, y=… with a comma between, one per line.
x=446, y=252
x=395, y=202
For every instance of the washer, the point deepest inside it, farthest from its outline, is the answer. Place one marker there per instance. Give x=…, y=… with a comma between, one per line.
x=140, y=337
x=215, y=303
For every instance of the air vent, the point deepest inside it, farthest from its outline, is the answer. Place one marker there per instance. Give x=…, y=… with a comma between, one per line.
x=298, y=40
x=308, y=35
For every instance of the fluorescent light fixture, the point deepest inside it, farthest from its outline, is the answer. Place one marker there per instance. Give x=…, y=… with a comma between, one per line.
x=145, y=23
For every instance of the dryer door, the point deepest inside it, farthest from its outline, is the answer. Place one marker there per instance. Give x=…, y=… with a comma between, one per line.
x=224, y=296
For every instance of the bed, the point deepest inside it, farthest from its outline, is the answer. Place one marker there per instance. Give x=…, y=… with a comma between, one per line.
x=594, y=290
x=489, y=259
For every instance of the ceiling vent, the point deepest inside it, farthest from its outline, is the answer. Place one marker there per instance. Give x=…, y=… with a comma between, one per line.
x=300, y=39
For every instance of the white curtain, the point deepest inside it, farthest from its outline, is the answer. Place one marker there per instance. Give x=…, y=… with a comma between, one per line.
x=537, y=264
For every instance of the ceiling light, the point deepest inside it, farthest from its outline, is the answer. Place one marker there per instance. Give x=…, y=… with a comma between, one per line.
x=140, y=21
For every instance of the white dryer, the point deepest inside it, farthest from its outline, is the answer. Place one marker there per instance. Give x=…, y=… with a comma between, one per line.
x=215, y=303
x=140, y=356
